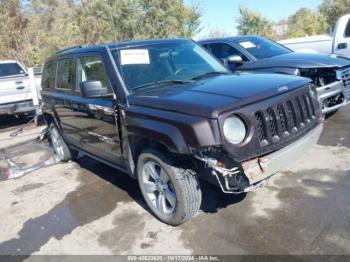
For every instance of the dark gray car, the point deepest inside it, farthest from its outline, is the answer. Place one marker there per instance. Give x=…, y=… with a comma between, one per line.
x=329, y=73
x=167, y=113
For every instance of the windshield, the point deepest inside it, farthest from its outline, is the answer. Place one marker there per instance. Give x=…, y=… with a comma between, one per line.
x=260, y=47
x=164, y=63
x=10, y=69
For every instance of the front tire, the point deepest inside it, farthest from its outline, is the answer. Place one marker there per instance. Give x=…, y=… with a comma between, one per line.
x=172, y=193
x=60, y=147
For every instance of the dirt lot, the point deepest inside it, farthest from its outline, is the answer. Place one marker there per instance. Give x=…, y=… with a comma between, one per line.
x=89, y=208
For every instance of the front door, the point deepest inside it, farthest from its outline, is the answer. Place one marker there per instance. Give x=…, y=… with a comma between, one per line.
x=96, y=119
x=223, y=51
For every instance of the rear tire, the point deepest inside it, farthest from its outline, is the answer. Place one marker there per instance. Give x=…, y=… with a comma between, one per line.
x=172, y=193
x=61, y=149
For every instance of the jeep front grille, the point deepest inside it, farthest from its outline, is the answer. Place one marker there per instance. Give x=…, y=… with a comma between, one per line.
x=277, y=123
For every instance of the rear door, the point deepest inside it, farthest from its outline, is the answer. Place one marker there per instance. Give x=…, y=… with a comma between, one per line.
x=63, y=95
x=14, y=84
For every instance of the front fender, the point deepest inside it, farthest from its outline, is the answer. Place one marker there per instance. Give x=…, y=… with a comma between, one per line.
x=178, y=132
x=163, y=133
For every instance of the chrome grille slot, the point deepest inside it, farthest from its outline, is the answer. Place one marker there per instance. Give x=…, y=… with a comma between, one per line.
x=273, y=124
x=283, y=119
x=306, y=107
x=311, y=105
x=291, y=116
x=260, y=127
x=301, y=112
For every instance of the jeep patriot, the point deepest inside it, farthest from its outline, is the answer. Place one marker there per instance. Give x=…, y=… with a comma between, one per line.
x=167, y=113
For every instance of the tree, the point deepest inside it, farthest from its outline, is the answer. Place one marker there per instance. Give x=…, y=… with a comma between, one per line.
x=333, y=9
x=164, y=18
x=217, y=33
x=12, y=28
x=52, y=26
x=253, y=23
x=306, y=22
x=32, y=30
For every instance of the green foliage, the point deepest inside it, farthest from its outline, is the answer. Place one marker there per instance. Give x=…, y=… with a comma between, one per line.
x=333, y=9
x=302, y=23
x=217, y=33
x=253, y=23
x=32, y=32
x=306, y=22
x=13, y=25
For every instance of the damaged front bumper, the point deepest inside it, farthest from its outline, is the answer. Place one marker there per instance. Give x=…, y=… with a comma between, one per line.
x=253, y=174
x=332, y=96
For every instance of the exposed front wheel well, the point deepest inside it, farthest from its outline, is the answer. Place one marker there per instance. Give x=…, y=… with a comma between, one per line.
x=48, y=118
x=137, y=144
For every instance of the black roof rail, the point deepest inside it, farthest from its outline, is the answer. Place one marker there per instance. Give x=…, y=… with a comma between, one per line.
x=69, y=48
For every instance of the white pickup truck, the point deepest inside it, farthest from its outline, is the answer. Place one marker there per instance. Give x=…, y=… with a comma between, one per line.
x=337, y=43
x=16, y=95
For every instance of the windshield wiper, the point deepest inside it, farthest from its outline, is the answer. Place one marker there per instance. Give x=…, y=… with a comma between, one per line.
x=208, y=74
x=173, y=81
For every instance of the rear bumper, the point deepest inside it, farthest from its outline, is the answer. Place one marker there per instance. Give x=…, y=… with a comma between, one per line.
x=264, y=167
x=17, y=108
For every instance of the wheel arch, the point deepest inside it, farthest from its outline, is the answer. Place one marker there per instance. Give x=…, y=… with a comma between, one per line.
x=137, y=143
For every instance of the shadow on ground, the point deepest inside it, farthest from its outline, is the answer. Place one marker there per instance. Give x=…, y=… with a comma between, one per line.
x=100, y=190
x=212, y=197
x=9, y=122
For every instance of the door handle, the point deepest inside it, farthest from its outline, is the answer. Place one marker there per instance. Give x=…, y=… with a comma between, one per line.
x=20, y=87
x=342, y=46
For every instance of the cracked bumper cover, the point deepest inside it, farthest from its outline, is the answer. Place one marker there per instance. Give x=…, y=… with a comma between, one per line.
x=264, y=167
x=329, y=91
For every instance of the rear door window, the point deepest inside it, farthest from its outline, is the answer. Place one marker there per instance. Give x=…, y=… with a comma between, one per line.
x=66, y=74
x=49, y=75
x=91, y=68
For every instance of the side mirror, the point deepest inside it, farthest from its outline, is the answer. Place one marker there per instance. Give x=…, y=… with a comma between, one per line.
x=93, y=89
x=235, y=59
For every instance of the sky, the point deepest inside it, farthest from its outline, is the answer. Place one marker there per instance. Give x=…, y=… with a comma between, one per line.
x=222, y=14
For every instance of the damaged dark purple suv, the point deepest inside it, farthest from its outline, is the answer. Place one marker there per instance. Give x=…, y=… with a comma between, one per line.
x=168, y=113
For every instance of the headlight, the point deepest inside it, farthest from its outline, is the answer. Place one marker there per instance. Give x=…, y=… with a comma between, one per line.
x=234, y=130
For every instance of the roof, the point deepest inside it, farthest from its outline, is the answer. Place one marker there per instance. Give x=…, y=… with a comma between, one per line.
x=145, y=42
x=8, y=61
x=82, y=49
x=232, y=38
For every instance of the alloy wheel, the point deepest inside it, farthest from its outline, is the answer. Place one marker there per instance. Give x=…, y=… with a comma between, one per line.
x=158, y=188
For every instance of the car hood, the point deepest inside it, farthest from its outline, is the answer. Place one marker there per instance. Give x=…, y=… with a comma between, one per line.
x=300, y=60
x=212, y=96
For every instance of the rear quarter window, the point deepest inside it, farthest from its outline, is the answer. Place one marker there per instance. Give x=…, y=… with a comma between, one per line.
x=49, y=75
